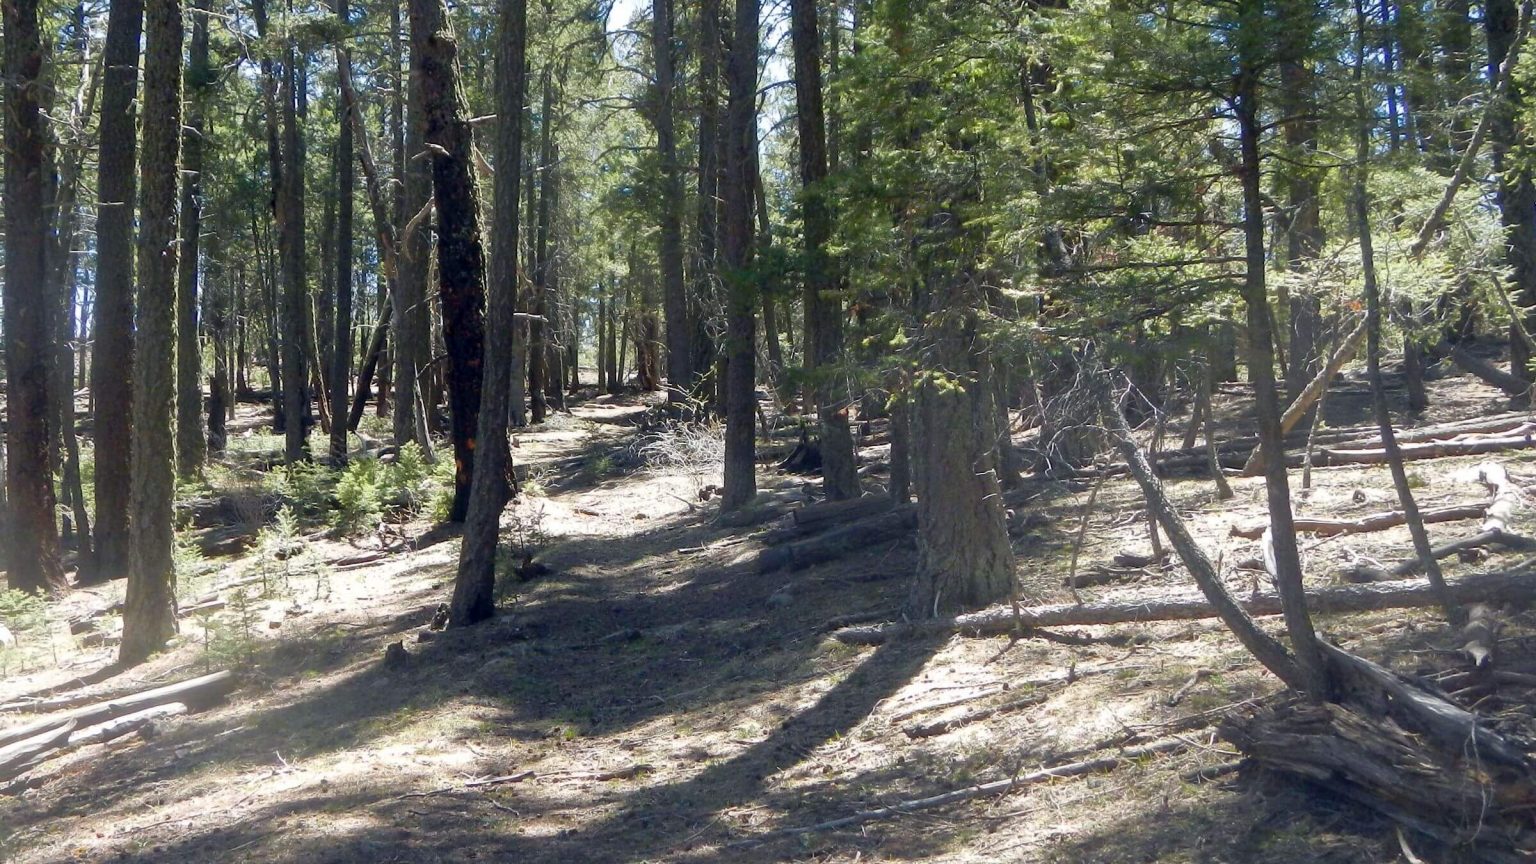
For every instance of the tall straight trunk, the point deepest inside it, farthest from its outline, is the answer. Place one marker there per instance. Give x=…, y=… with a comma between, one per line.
x=474, y=590
x=674, y=294
x=823, y=308
x=539, y=327
x=460, y=257
x=191, y=446
x=1261, y=360
x=112, y=352
x=1303, y=188
x=294, y=312
x=220, y=395
x=341, y=369
x=149, y=611
x=705, y=276
x=34, y=564
x=1517, y=190
x=741, y=304
x=1362, y=210
x=413, y=331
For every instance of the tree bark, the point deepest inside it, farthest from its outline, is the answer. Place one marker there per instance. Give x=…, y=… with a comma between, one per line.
x=112, y=353
x=474, y=590
x=741, y=322
x=341, y=368
x=34, y=563
x=460, y=257
x=823, y=308
x=538, y=329
x=1261, y=365
x=670, y=238
x=149, y=613
x=191, y=446
x=413, y=332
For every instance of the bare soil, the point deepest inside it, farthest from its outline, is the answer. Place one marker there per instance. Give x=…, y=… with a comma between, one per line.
x=649, y=697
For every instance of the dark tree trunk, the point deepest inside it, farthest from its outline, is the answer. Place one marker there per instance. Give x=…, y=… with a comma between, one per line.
x=1261, y=371
x=34, y=563
x=474, y=587
x=741, y=306
x=823, y=308
x=460, y=257
x=539, y=328
x=703, y=299
x=149, y=610
x=191, y=446
x=112, y=354
x=294, y=312
x=341, y=368
x=673, y=293
x=1303, y=185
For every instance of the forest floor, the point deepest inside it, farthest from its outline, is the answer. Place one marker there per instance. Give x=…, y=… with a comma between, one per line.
x=646, y=695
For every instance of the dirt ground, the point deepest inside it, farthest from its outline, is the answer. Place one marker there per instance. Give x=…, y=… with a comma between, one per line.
x=649, y=697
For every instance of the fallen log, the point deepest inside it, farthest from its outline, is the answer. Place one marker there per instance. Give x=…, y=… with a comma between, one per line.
x=1516, y=586
x=1374, y=761
x=20, y=753
x=1490, y=425
x=1514, y=542
x=813, y=516
x=124, y=725
x=1365, y=524
x=896, y=523
x=1480, y=368
x=1428, y=450
x=195, y=692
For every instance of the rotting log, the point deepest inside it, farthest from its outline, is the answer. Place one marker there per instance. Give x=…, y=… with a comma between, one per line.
x=1374, y=761
x=1516, y=586
x=813, y=516
x=195, y=692
x=1429, y=450
x=1365, y=524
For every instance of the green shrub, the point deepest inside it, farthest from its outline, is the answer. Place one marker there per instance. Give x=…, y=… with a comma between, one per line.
x=20, y=611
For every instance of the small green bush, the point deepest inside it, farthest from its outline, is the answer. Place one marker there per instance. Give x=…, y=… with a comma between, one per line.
x=20, y=611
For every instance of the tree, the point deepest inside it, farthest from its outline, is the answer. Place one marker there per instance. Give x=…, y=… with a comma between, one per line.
x=149, y=614
x=341, y=368
x=670, y=237
x=112, y=355
x=474, y=588
x=34, y=563
x=460, y=258
x=823, y=310
x=741, y=304
x=294, y=312
x=191, y=446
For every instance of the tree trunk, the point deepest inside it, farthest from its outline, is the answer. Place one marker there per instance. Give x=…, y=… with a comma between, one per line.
x=191, y=446
x=413, y=331
x=823, y=308
x=34, y=563
x=704, y=299
x=460, y=257
x=1362, y=208
x=741, y=321
x=674, y=294
x=294, y=305
x=475, y=586
x=341, y=359
x=112, y=354
x=1261, y=370
x=149, y=613
x=539, y=328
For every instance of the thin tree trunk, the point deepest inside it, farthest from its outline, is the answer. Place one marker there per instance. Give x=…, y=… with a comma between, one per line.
x=413, y=331
x=149, y=610
x=1362, y=208
x=1261, y=369
x=670, y=237
x=191, y=446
